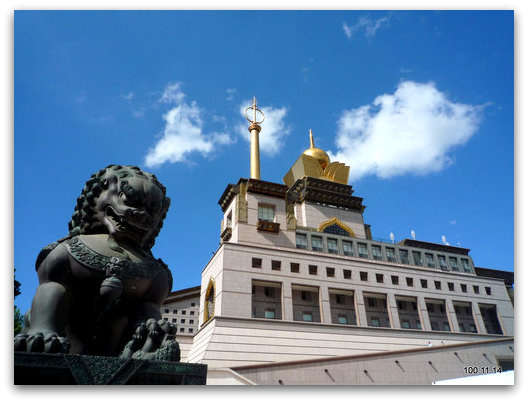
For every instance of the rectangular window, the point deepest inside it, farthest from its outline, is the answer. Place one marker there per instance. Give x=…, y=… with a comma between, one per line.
x=175, y=311
x=430, y=307
x=423, y=283
x=451, y=286
x=472, y=328
x=275, y=265
x=447, y=328
x=438, y=285
x=184, y=312
x=463, y=287
x=190, y=330
x=193, y=303
x=417, y=258
x=405, y=324
x=347, y=248
x=404, y=256
x=269, y=314
x=409, y=281
x=166, y=310
x=488, y=290
x=379, y=277
x=442, y=262
x=191, y=321
x=465, y=265
x=182, y=321
x=266, y=213
x=294, y=267
x=330, y=272
x=418, y=325
x=340, y=299
x=269, y=292
x=376, y=252
x=301, y=241
x=374, y=322
x=347, y=274
x=362, y=250
x=454, y=264
x=191, y=313
x=402, y=306
x=394, y=280
x=363, y=275
x=434, y=325
x=256, y=263
x=307, y=317
x=342, y=319
x=429, y=260
x=391, y=256
x=461, y=326
x=332, y=246
x=476, y=289
x=312, y=270
x=317, y=243
x=372, y=302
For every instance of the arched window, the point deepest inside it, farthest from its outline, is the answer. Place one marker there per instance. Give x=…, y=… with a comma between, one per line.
x=336, y=227
x=209, y=304
x=336, y=230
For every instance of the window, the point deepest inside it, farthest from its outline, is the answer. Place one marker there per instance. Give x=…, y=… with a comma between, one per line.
x=294, y=267
x=434, y=325
x=253, y=290
x=376, y=252
x=447, y=328
x=191, y=321
x=438, y=285
x=476, y=289
x=182, y=330
x=451, y=286
x=347, y=248
x=405, y=324
x=402, y=306
x=461, y=326
x=342, y=319
x=166, y=310
x=372, y=302
x=269, y=314
x=307, y=317
x=336, y=230
x=442, y=309
x=312, y=270
x=363, y=275
x=430, y=307
x=269, y=292
x=229, y=220
x=193, y=303
x=404, y=256
x=379, y=277
x=184, y=312
x=191, y=313
x=174, y=320
x=418, y=325
x=417, y=258
x=301, y=241
x=414, y=306
x=340, y=299
x=442, y=262
x=391, y=256
x=423, y=283
x=305, y=296
x=256, y=262
x=330, y=272
x=465, y=265
x=190, y=330
x=394, y=280
x=275, y=265
x=488, y=290
x=332, y=246
x=409, y=281
x=463, y=287
x=347, y=273
x=454, y=264
x=374, y=322
x=362, y=250
x=317, y=243
x=174, y=311
x=429, y=260
x=266, y=212
x=182, y=321
x=472, y=328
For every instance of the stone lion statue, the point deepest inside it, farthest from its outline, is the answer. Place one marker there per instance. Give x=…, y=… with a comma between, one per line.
x=100, y=288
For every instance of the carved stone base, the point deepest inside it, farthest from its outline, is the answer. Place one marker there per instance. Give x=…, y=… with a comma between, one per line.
x=68, y=369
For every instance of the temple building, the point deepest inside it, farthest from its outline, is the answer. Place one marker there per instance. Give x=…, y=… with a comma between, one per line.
x=299, y=292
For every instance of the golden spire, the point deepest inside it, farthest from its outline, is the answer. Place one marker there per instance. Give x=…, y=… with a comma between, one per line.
x=254, y=129
x=320, y=155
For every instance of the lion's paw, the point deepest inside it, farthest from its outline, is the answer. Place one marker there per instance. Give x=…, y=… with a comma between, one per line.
x=38, y=342
x=153, y=340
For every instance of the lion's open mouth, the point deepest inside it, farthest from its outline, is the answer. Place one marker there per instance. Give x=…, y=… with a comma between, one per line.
x=125, y=224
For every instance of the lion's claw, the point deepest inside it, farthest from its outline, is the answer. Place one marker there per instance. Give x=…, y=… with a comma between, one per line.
x=38, y=342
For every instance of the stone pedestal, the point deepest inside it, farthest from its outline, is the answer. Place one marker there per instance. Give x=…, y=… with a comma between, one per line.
x=68, y=369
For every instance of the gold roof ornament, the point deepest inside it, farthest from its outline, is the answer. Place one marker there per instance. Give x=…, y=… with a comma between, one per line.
x=315, y=162
x=320, y=155
x=254, y=129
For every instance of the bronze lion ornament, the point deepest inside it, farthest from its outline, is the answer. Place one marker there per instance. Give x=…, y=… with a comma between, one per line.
x=100, y=288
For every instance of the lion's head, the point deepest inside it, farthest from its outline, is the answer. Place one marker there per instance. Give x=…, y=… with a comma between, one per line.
x=122, y=201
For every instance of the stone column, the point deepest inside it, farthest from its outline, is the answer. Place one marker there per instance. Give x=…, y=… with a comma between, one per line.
x=477, y=316
x=424, y=314
x=392, y=309
x=287, y=301
x=324, y=298
x=360, y=308
x=451, y=316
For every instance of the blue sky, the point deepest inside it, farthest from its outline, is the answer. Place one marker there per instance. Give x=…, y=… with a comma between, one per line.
x=419, y=104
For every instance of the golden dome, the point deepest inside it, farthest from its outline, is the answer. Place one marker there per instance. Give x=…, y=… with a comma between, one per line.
x=320, y=155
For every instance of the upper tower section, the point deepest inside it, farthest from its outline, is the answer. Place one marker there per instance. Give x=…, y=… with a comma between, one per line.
x=315, y=163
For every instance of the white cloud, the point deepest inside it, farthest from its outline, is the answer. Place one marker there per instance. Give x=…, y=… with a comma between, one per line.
x=368, y=26
x=274, y=128
x=230, y=93
x=128, y=96
x=410, y=131
x=184, y=131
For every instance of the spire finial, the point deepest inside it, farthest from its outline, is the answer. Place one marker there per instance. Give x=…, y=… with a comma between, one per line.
x=254, y=129
x=312, y=145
